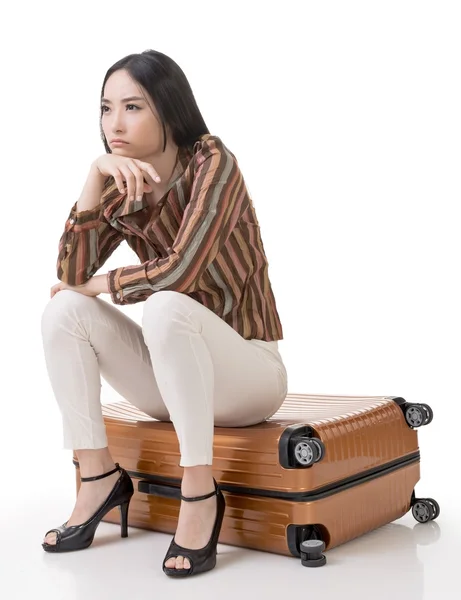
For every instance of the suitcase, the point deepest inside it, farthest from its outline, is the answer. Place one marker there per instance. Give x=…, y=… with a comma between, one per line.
x=322, y=471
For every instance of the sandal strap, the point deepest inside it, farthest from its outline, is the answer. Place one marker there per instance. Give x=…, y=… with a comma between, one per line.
x=204, y=497
x=117, y=468
x=198, y=498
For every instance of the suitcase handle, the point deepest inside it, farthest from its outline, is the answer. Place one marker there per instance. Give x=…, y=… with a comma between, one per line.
x=157, y=489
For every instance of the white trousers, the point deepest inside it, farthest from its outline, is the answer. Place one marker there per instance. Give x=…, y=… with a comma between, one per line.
x=185, y=365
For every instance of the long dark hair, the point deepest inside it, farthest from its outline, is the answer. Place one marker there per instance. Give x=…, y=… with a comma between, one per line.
x=170, y=91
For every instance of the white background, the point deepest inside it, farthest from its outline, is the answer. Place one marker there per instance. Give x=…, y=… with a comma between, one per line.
x=345, y=120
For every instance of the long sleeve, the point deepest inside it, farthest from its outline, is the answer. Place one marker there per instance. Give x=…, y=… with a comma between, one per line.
x=218, y=198
x=87, y=242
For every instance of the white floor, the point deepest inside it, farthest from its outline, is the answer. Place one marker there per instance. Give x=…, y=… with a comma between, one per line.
x=403, y=560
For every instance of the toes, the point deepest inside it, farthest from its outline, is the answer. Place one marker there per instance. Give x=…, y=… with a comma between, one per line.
x=177, y=563
x=50, y=539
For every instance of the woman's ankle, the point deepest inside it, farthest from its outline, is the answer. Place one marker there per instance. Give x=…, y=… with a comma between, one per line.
x=94, y=462
x=197, y=480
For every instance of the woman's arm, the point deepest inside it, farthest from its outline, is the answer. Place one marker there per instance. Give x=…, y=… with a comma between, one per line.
x=88, y=240
x=218, y=198
x=93, y=287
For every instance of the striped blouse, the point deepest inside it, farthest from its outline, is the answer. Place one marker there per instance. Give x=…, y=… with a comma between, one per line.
x=201, y=239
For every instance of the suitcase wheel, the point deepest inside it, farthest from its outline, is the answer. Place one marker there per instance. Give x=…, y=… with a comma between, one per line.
x=425, y=509
x=417, y=415
x=311, y=553
x=307, y=451
x=299, y=447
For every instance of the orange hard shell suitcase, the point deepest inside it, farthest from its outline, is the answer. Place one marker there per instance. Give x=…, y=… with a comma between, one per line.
x=323, y=470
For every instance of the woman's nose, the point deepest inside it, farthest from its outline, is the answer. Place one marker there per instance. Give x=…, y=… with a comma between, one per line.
x=117, y=121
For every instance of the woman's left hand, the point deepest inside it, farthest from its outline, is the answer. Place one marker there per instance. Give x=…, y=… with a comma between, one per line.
x=93, y=287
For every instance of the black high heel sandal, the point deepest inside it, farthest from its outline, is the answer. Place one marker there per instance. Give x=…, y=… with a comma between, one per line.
x=203, y=559
x=78, y=537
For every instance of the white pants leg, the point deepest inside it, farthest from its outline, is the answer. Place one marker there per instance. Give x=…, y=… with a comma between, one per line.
x=185, y=364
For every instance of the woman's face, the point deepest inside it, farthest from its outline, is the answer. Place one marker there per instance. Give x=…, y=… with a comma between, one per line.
x=128, y=113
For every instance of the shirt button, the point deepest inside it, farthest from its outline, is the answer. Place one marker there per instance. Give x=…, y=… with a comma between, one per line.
x=72, y=221
x=118, y=295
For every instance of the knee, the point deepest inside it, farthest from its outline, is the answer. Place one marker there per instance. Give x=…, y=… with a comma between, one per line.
x=164, y=311
x=64, y=306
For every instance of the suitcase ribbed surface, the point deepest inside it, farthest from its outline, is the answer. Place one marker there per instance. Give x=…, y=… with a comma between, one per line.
x=359, y=434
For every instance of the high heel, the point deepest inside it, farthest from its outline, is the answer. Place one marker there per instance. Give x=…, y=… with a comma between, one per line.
x=124, y=518
x=203, y=559
x=78, y=537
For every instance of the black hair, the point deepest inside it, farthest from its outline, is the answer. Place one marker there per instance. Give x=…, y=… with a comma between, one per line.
x=170, y=91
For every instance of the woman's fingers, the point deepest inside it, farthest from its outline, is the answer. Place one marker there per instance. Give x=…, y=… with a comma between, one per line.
x=130, y=181
x=149, y=174
x=139, y=180
x=131, y=175
x=56, y=288
x=119, y=181
x=149, y=169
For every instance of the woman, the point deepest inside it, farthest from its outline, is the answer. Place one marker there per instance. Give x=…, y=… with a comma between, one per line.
x=207, y=353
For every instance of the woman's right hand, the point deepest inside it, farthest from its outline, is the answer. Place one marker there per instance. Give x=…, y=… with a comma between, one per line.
x=138, y=175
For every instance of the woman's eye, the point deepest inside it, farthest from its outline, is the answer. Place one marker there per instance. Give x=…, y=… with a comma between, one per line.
x=103, y=107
